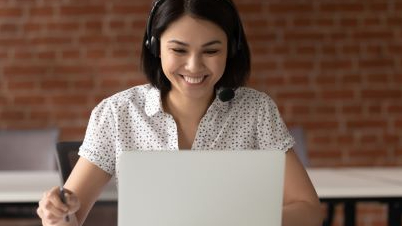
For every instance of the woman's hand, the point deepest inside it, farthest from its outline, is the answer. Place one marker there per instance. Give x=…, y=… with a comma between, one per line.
x=53, y=211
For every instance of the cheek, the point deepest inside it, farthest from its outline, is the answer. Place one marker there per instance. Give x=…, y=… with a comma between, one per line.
x=218, y=66
x=168, y=64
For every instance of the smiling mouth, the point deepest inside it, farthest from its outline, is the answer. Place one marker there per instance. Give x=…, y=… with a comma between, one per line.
x=194, y=80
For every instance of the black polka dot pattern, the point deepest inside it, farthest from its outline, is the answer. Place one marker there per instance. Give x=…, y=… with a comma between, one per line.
x=134, y=120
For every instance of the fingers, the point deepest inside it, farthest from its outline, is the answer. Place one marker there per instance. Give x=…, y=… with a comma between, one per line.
x=72, y=203
x=51, y=209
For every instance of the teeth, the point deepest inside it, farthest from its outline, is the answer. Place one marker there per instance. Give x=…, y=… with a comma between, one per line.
x=193, y=80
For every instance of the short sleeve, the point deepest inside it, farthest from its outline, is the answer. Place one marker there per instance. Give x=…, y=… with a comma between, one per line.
x=271, y=130
x=99, y=143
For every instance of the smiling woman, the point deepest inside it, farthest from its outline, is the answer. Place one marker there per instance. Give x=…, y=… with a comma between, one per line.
x=192, y=50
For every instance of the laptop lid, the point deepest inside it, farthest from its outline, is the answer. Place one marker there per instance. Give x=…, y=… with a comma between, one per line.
x=199, y=188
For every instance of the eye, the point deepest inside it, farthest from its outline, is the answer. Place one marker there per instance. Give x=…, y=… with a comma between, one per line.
x=211, y=52
x=180, y=51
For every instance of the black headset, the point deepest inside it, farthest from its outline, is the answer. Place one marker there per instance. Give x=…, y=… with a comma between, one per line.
x=153, y=44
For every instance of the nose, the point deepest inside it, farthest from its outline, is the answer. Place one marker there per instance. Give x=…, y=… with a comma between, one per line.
x=194, y=63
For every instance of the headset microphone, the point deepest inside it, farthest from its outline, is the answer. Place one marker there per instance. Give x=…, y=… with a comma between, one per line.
x=226, y=94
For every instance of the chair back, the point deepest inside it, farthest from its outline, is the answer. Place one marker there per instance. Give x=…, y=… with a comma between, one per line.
x=300, y=147
x=28, y=149
x=67, y=156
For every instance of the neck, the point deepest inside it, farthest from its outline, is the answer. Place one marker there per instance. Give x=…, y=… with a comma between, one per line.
x=185, y=108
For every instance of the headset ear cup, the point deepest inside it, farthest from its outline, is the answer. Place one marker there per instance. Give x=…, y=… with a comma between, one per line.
x=154, y=46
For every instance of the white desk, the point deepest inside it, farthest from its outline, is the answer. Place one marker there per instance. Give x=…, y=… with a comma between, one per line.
x=352, y=185
x=345, y=185
x=28, y=187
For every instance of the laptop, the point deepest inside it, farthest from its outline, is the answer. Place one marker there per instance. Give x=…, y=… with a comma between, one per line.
x=200, y=188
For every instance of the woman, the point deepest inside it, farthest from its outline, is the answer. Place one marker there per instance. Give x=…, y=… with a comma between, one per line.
x=196, y=57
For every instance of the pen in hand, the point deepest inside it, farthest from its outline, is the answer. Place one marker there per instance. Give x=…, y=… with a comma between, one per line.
x=63, y=199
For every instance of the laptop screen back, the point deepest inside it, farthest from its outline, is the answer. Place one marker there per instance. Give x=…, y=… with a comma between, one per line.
x=199, y=188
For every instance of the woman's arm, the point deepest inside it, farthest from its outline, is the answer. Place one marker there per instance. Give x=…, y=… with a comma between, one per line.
x=83, y=186
x=301, y=204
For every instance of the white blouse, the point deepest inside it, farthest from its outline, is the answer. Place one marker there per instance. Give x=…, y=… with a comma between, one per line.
x=134, y=120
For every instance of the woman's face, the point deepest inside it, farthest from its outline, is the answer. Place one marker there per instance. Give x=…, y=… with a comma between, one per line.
x=193, y=56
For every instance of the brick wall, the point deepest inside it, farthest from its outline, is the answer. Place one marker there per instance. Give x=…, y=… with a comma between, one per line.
x=333, y=67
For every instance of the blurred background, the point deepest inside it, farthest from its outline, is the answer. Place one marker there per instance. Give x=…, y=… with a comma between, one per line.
x=333, y=67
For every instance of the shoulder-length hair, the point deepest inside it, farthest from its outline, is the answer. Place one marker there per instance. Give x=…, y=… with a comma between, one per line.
x=221, y=12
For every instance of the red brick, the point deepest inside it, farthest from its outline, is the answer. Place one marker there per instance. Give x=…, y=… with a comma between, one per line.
x=10, y=115
x=381, y=94
x=275, y=81
x=51, y=41
x=290, y=8
x=338, y=94
x=96, y=54
x=30, y=27
x=62, y=26
x=8, y=28
x=366, y=124
x=25, y=70
x=355, y=110
x=373, y=35
x=54, y=84
x=94, y=39
x=297, y=95
x=72, y=133
x=395, y=109
x=325, y=80
x=71, y=54
x=325, y=110
x=43, y=116
x=341, y=7
x=394, y=20
x=116, y=25
x=10, y=12
x=345, y=139
x=377, y=63
x=46, y=55
x=12, y=42
x=348, y=22
x=378, y=6
x=84, y=84
x=71, y=69
x=66, y=99
x=29, y=100
x=321, y=125
x=298, y=65
x=22, y=55
x=265, y=65
x=21, y=85
x=391, y=139
x=306, y=36
x=131, y=9
x=299, y=80
x=117, y=69
x=336, y=64
x=94, y=26
x=46, y=11
x=82, y=10
x=300, y=110
x=250, y=8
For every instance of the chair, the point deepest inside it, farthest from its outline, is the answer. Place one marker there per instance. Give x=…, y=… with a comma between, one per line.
x=28, y=149
x=300, y=149
x=102, y=214
x=67, y=156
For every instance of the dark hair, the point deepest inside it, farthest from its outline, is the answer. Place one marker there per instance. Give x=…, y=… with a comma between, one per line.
x=221, y=12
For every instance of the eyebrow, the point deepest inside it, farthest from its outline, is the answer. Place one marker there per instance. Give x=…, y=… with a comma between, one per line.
x=204, y=45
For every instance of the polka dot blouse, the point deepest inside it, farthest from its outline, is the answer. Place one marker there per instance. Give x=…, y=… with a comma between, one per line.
x=134, y=120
